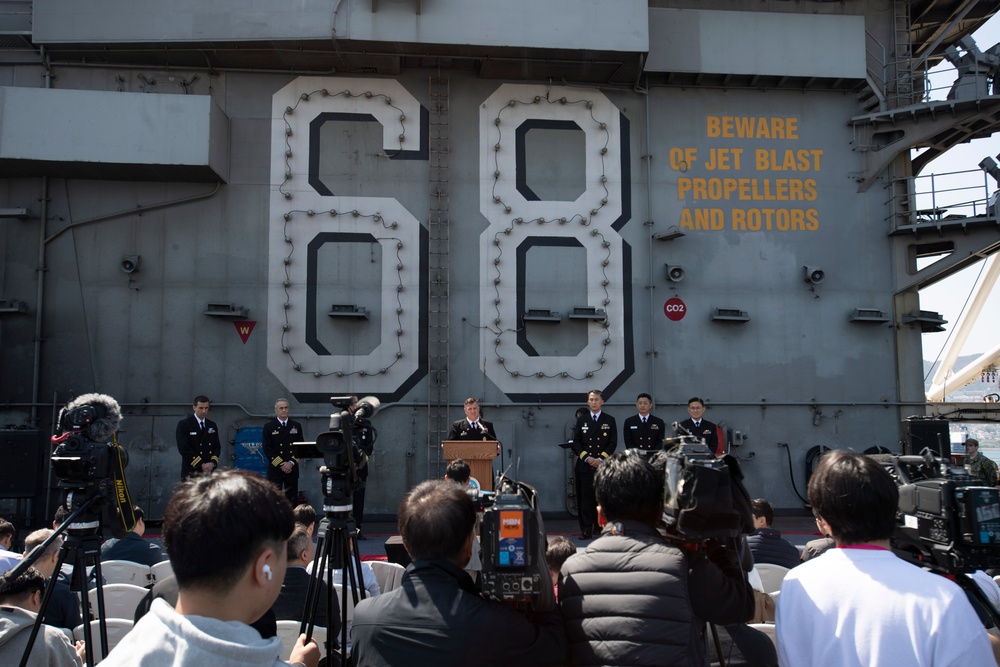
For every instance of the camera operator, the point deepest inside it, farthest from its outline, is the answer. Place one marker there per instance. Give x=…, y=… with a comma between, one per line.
x=860, y=604
x=635, y=598
x=437, y=615
x=364, y=437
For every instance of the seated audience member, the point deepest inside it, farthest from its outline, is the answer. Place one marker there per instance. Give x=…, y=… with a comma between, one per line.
x=766, y=543
x=635, y=598
x=133, y=547
x=437, y=616
x=557, y=551
x=460, y=472
x=226, y=535
x=63, y=609
x=291, y=602
x=818, y=546
x=8, y=557
x=860, y=604
x=305, y=515
x=20, y=600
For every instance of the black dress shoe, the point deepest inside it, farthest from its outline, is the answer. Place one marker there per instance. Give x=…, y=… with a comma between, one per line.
x=361, y=536
x=587, y=534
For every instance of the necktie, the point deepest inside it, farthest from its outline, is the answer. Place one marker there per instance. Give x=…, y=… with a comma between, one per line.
x=201, y=426
x=643, y=420
x=595, y=418
x=475, y=426
x=697, y=423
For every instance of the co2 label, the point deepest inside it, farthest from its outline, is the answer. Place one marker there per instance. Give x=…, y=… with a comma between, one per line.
x=674, y=309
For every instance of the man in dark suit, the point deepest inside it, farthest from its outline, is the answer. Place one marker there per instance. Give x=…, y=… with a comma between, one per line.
x=472, y=427
x=644, y=431
x=700, y=427
x=132, y=547
x=595, y=438
x=198, y=440
x=292, y=599
x=282, y=464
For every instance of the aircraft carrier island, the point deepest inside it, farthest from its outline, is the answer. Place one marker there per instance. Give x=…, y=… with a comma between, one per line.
x=423, y=201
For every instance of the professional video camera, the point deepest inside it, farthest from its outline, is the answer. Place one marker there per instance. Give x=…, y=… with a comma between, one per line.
x=703, y=495
x=947, y=519
x=342, y=457
x=89, y=464
x=513, y=548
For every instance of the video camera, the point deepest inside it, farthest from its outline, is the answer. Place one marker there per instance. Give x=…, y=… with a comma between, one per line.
x=513, y=548
x=703, y=495
x=342, y=457
x=89, y=463
x=947, y=519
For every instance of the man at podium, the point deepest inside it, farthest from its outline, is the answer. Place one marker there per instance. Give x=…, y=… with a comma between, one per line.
x=472, y=427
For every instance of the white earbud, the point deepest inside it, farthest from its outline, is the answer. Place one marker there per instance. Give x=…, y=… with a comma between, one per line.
x=267, y=571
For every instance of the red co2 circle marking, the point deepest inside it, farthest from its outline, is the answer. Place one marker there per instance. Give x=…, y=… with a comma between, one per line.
x=674, y=309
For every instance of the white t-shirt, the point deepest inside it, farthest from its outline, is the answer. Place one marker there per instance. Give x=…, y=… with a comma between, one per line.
x=869, y=608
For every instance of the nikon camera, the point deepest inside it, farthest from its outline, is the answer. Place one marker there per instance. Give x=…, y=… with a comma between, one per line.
x=513, y=548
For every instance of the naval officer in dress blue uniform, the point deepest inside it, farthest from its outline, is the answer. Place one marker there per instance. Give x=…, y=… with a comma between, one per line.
x=595, y=438
x=282, y=464
x=644, y=431
x=198, y=440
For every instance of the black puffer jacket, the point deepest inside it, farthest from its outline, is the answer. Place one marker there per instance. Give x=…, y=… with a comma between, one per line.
x=767, y=546
x=633, y=599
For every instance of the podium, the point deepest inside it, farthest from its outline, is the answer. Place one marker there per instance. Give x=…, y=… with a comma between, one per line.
x=479, y=454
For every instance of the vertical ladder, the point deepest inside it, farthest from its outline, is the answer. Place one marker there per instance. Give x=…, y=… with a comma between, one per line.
x=438, y=271
x=902, y=60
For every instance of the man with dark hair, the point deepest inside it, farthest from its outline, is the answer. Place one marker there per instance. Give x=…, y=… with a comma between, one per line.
x=8, y=557
x=291, y=601
x=472, y=427
x=63, y=609
x=860, y=604
x=305, y=515
x=133, y=547
x=644, y=431
x=595, y=437
x=198, y=440
x=437, y=616
x=634, y=598
x=458, y=471
x=20, y=601
x=557, y=551
x=226, y=535
x=700, y=427
x=766, y=543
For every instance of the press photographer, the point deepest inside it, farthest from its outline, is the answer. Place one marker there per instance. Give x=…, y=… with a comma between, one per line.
x=633, y=597
x=457, y=626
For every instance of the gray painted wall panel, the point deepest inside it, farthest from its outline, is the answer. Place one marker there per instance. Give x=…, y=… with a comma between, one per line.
x=113, y=128
x=555, y=24
x=765, y=43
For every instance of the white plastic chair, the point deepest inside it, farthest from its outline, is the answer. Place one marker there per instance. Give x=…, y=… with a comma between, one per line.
x=117, y=629
x=125, y=572
x=120, y=600
x=288, y=633
x=771, y=575
x=161, y=571
x=388, y=575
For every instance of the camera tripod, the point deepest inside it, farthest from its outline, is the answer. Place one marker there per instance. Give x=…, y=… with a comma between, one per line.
x=81, y=544
x=337, y=549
